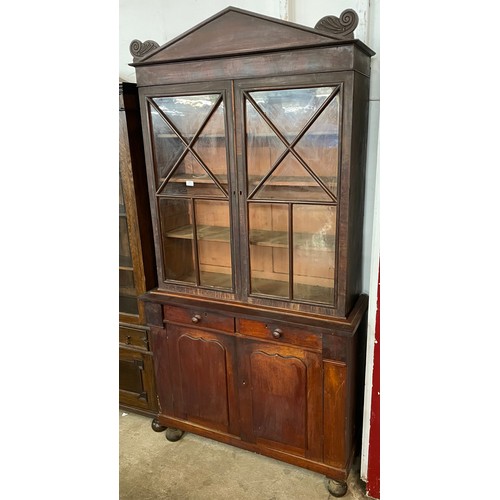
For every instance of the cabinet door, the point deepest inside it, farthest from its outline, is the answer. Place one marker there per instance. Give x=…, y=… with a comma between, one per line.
x=280, y=390
x=137, y=380
x=190, y=173
x=202, y=375
x=291, y=160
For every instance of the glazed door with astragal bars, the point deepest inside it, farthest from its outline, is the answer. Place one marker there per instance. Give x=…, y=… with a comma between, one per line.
x=192, y=187
x=291, y=145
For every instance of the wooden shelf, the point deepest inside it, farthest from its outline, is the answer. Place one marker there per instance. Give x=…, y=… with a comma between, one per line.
x=208, y=233
x=291, y=181
x=197, y=179
x=217, y=280
x=258, y=237
x=277, y=288
x=265, y=238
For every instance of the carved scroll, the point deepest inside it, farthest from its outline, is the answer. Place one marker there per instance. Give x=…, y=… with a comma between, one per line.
x=139, y=49
x=341, y=27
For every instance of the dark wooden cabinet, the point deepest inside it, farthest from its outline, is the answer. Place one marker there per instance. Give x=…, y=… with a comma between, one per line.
x=136, y=266
x=255, y=139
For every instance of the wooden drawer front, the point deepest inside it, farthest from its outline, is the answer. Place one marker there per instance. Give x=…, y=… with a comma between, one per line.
x=134, y=337
x=199, y=317
x=280, y=332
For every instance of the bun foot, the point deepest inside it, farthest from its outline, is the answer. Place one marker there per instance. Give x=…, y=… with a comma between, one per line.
x=156, y=426
x=173, y=434
x=336, y=488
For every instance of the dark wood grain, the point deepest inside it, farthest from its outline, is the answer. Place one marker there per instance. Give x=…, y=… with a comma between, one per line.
x=136, y=362
x=268, y=372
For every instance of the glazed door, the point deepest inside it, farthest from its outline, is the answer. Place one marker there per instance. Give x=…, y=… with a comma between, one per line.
x=290, y=144
x=202, y=369
x=191, y=142
x=280, y=391
x=128, y=303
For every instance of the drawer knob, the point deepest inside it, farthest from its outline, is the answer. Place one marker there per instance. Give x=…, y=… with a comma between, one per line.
x=277, y=333
x=196, y=318
x=129, y=338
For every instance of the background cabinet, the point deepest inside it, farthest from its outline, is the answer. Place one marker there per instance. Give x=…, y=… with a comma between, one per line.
x=137, y=271
x=256, y=184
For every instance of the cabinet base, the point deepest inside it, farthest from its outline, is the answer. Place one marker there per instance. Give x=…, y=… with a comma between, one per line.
x=336, y=473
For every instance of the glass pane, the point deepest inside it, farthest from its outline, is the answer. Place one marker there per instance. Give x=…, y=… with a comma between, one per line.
x=128, y=295
x=191, y=179
x=290, y=110
x=130, y=377
x=319, y=145
x=214, y=243
x=124, y=244
x=167, y=146
x=313, y=252
x=291, y=181
x=269, y=258
x=187, y=113
x=211, y=146
x=121, y=198
x=263, y=147
x=177, y=239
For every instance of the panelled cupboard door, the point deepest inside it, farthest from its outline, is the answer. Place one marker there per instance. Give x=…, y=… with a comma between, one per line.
x=191, y=186
x=281, y=398
x=136, y=379
x=202, y=369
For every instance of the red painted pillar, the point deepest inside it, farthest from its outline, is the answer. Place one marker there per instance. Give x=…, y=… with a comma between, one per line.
x=373, y=472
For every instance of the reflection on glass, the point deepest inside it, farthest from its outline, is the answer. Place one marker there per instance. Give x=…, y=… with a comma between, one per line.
x=124, y=243
x=291, y=181
x=313, y=252
x=127, y=301
x=268, y=234
x=166, y=145
x=177, y=237
x=263, y=147
x=319, y=145
x=187, y=113
x=310, y=136
x=211, y=146
x=290, y=110
x=191, y=179
x=213, y=237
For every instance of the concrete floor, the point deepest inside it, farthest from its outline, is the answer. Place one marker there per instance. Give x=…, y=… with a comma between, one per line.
x=195, y=468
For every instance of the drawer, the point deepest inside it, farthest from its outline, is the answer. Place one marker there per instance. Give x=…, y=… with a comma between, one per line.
x=281, y=332
x=198, y=317
x=134, y=337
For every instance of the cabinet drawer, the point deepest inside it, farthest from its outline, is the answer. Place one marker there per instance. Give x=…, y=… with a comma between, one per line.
x=199, y=317
x=281, y=332
x=134, y=337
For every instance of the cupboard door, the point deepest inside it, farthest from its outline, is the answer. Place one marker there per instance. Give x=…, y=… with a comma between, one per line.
x=136, y=384
x=202, y=370
x=280, y=390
